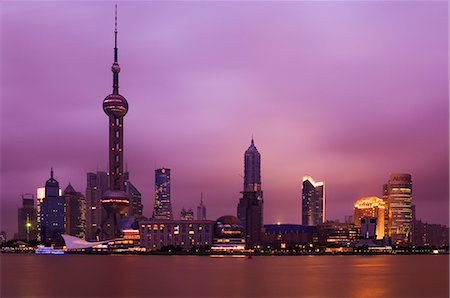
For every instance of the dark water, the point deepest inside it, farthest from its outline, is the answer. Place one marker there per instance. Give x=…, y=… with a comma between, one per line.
x=200, y=276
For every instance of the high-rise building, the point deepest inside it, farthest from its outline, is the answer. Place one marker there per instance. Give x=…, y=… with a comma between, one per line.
x=40, y=195
x=75, y=212
x=135, y=198
x=96, y=186
x=27, y=219
x=115, y=200
x=313, y=202
x=250, y=207
x=52, y=213
x=371, y=207
x=187, y=214
x=398, y=196
x=252, y=170
x=201, y=209
x=163, y=206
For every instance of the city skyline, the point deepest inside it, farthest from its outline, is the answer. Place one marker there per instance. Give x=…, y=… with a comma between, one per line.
x=304, y=136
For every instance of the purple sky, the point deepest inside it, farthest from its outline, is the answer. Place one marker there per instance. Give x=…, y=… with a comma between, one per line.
x=347, y=92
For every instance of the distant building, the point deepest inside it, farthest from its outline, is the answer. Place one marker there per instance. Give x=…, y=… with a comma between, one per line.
x=228, y=235
x=252, y=170
x=163, y=206
x=27, y=219
x=250, y=207
x=201, y=210
x=368, y=227
x=398, y=196
x=334, y=234
x=160, y=233
x=313, y=202
x=75, y=212
x=96, y=186
x=186, y=215
x=3, y=237
x=288, y=235
x=426, y=234
x=40, y=195
x=250, y=214
x=371, y=207
x=135, y=198
x=52, y=213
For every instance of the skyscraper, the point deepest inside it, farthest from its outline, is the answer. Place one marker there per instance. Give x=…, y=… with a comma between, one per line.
x=163, y=207
x=52, y=213
x=40, y=195
x=201, y=209
x=27, y=219
x=115, y=200
x=371, y=207
x=250, y=207
x=75, y=212
x=135, y=198
x=252, y=170
x=398, y=194
x=96, y=186
x=313, y=202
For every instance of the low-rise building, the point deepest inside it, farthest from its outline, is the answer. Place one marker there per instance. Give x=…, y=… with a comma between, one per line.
x=158, y=233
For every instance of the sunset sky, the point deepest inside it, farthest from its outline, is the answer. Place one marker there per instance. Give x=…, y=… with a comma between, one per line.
x=347, y=92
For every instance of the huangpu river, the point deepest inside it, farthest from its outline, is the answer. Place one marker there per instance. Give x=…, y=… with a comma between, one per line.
x=28, y=275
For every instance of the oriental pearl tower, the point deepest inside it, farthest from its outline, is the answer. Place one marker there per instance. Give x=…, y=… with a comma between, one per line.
x=115, y=201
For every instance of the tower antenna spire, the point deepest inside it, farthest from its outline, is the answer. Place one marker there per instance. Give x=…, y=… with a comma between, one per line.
x=115, y=68
x=115, y=28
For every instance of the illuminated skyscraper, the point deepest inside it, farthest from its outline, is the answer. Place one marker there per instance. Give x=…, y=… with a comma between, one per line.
x=27, y=219
x=398, y=194
x=313, y=202
x=201, y=209
x=250, y=207
x=115, y=200
x=163, y=207
x=52, y=213
x=371, y=207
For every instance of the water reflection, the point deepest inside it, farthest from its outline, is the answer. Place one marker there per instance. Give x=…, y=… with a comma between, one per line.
x=195, y=276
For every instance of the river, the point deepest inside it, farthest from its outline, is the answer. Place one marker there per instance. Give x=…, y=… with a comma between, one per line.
x=28, y=275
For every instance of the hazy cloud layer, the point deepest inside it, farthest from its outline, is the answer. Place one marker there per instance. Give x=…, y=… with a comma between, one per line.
x=347, y=92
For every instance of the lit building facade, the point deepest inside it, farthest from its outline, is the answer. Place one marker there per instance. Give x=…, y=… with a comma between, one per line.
x=75, y=212
x=398, y=196
x=187, y=214
x=115, y=200
x=288, y=235
x=313, y=202
x=163, y=206
x=228, y=235
x=371, y=207
x=335, y=234
x=96, y=186
x=159, y=233
x=52, y=213
x=27, y=219
x=250, y=207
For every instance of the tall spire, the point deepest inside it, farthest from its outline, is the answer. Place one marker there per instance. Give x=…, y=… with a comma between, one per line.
x=115, y=35
x=51, y=172
x=115, y=67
